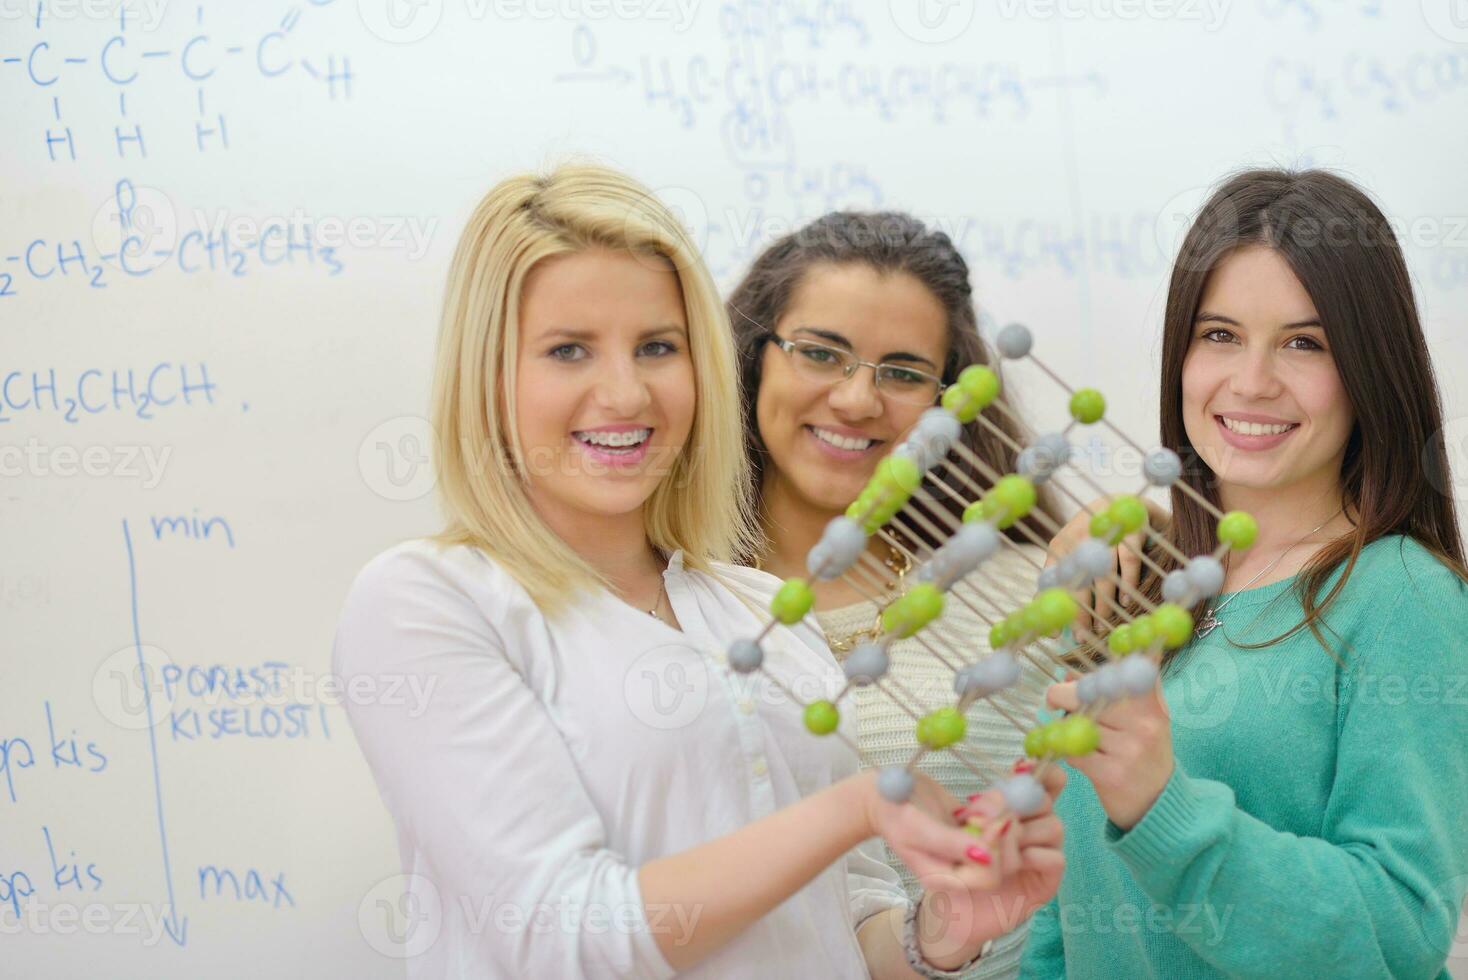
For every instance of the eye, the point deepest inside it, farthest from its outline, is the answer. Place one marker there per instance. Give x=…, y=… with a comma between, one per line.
x=1217, y=335
x=1309, y=343
x=661, y=348
x=902, y=376
x=820, y=355
x=560, y=353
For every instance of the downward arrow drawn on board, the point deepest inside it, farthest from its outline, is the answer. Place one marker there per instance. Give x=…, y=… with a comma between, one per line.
x=175, y=925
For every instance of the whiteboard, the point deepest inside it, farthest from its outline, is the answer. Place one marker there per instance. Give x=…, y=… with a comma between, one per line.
x=224, y=230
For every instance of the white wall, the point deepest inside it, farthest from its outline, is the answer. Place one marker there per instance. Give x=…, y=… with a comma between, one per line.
x=1063, y=145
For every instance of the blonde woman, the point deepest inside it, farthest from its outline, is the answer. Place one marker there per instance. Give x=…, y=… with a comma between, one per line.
x=848, y=330
x=592, y=790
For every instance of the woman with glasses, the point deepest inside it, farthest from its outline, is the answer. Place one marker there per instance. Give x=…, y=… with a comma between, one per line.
x=557, y=814
x=848, y=330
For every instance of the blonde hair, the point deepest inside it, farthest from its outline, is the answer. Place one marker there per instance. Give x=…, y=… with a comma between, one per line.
x=703, y=505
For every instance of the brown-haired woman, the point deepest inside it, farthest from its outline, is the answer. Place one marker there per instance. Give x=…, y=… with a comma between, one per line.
x=848, y=330
x=1288, y=802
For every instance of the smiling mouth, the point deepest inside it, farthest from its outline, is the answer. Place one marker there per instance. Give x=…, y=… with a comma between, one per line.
x=846, y=443
x=615, y=443
x=1256, y=429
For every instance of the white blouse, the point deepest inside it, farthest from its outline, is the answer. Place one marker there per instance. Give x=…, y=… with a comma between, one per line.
x=555, y=757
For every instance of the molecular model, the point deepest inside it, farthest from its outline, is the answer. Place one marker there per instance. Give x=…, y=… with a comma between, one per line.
x=923, y=468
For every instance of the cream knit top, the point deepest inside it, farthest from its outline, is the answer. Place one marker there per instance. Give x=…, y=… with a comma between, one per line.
x=885, y=733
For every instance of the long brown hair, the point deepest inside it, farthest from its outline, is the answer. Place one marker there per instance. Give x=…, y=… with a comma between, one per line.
x=888, y=242
x=1394, y=479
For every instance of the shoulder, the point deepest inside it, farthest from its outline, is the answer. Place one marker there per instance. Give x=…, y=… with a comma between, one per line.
x=424, y=587
x=422, y=566
x=1418, y=605
x=753, y=583
x=755, y=588
x=1399, y=566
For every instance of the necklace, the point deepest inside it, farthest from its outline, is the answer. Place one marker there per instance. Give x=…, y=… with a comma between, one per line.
x=1210, y=620
x=899, y=564
x=658, y=600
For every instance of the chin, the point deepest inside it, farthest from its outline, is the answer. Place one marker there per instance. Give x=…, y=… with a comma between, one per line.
x=818, y=487
x=612, y=501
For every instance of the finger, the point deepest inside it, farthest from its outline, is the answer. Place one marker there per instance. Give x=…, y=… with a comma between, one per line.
x=983, y=808
x=957, y=886
x=1053, y=779
x=1130, y=560
x=1082, y=626
x=1062, y=696
x=1046, y=831
x=1010, y=839
x=1105, y=589
x=1044, y=860
x=949, y=842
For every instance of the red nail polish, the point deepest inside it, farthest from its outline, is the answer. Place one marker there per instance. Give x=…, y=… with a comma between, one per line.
x=958, y=811
x=1023, y=765
x=974, y=796
x=978, y=854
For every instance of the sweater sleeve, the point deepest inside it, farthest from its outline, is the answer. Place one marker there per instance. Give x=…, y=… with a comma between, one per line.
x=1379, y=891
x=1044, y=955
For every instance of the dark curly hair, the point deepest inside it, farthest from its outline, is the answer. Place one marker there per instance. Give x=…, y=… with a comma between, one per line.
x=887, y=241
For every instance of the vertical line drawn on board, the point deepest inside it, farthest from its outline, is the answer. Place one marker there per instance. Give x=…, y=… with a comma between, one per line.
x=1072, y=182
x=177, y=927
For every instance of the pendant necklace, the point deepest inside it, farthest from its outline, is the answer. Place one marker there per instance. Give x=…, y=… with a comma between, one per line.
x=1210, y=620
x=657, y=600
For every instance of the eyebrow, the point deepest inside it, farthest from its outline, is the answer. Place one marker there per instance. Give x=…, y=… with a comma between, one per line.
x=1208, y=317
x=838, y=339
x=571, y=333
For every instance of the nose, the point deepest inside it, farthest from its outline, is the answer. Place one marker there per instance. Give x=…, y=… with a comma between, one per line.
x=857, y=397
x=1256, y=375
x=621, y=390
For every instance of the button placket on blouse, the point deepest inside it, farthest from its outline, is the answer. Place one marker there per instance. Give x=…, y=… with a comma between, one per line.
x=739, y=690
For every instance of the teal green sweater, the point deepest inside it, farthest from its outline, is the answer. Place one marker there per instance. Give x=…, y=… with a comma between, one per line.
x=1316, y=822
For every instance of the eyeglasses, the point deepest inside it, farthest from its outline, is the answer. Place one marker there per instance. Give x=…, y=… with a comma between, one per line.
x=831, y=365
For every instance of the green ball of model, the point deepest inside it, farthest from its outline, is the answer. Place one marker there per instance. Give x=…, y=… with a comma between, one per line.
x=822, y=717
x=941, y=728
x=1087, y=406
